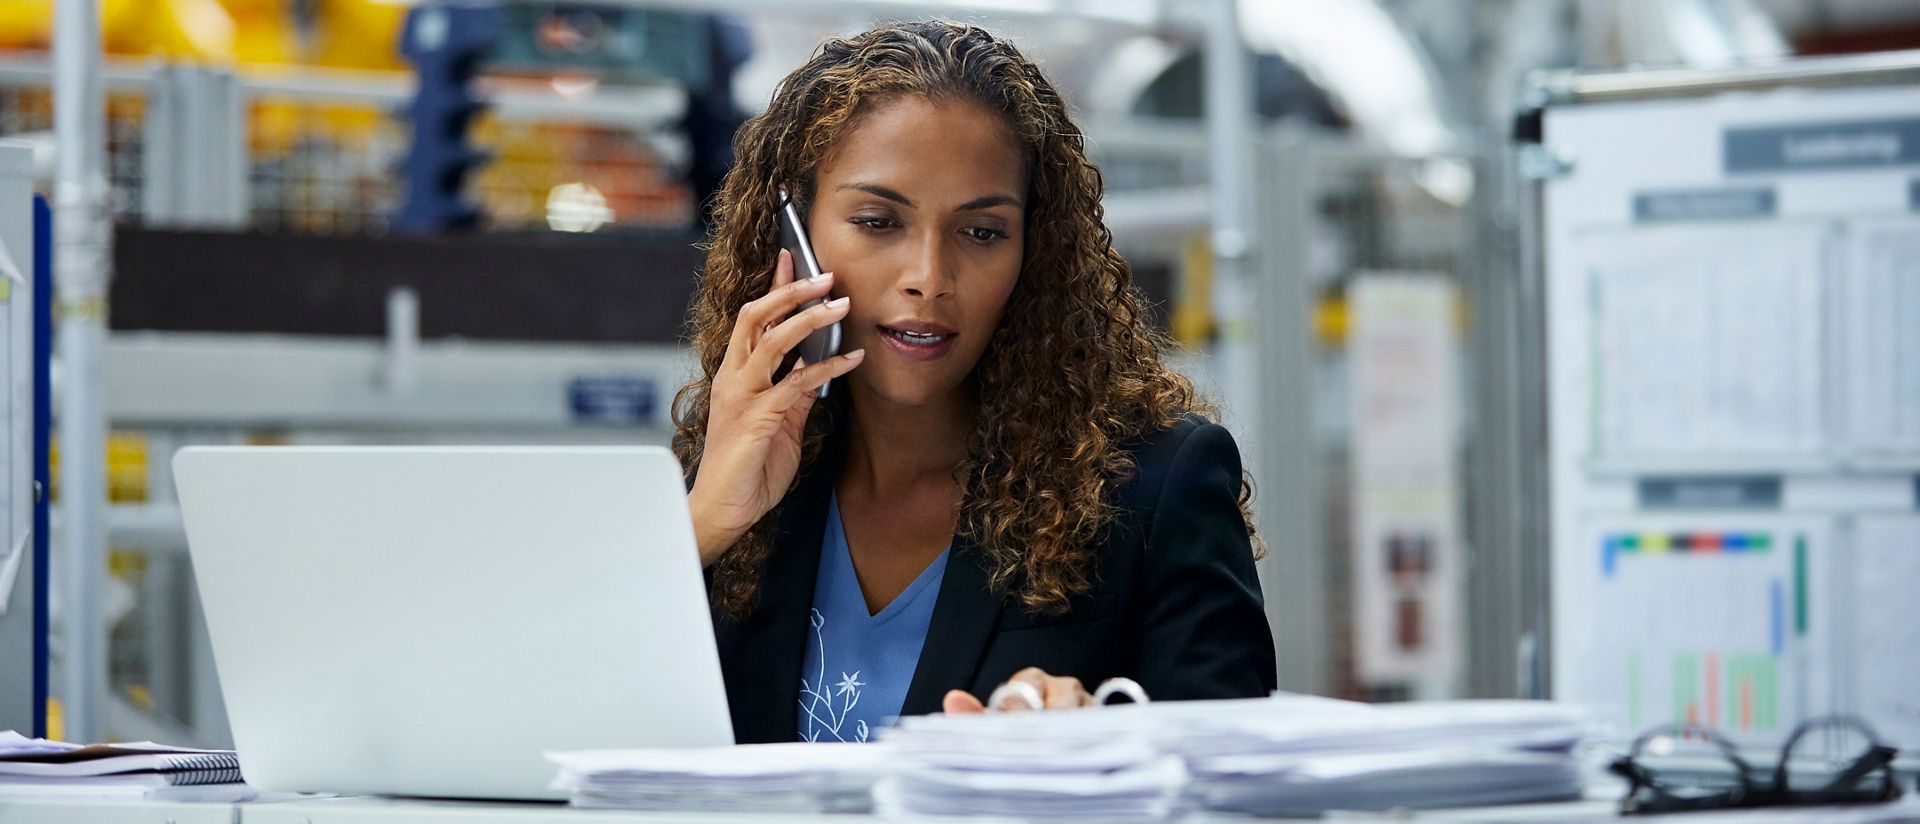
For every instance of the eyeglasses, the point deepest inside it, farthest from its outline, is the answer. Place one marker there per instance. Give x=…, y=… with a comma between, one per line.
x=1859, y=770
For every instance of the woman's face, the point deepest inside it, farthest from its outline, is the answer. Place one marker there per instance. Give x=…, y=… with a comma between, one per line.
x=918, y=212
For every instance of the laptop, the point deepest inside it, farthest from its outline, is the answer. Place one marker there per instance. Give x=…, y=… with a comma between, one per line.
x=427, y=621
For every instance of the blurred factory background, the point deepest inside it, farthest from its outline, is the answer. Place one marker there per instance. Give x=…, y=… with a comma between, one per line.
x=334, y=225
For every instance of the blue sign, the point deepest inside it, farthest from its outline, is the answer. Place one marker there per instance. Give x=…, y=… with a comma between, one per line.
x=616, y=399
x=1711, y=492
x=1820, y=146
x=1704, y=204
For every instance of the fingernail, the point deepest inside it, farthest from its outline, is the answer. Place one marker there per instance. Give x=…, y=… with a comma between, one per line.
x=856, y=354
x=837, y=303
x=821, y=278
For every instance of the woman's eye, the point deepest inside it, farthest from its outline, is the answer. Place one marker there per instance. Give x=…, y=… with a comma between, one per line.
x=873, y=223
x=983, y=235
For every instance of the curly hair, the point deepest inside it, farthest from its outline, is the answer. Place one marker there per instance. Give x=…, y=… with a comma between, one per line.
x=1044, y=455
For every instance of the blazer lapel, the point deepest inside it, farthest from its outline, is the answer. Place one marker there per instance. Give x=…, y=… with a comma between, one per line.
x=762, y=655
x=964, y=617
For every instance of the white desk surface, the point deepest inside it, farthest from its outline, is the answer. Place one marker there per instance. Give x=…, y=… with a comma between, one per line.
x=54, y=810
x=372, y=810
x=367, y=810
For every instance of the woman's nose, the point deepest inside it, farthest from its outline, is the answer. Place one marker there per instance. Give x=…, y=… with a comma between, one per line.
x=928, y=272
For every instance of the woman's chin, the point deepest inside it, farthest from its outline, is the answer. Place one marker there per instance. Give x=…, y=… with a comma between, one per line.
x=901, y=390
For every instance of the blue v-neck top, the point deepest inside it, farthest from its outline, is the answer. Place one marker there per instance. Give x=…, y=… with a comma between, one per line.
x=857, y=666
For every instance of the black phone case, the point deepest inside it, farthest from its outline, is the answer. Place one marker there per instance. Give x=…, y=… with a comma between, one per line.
x=823, y=343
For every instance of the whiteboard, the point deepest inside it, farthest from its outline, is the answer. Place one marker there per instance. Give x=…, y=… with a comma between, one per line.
x=1732, y=289
x=17, y=627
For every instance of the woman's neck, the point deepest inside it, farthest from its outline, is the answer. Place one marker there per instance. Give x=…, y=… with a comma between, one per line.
x=897, y=448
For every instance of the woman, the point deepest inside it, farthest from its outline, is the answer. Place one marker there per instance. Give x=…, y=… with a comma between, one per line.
x=1003, y=482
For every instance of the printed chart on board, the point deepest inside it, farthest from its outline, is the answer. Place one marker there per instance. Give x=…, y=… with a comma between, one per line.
x=1885, y=626
x=1882, y=327
x=1717, y=621
x=1707, y=340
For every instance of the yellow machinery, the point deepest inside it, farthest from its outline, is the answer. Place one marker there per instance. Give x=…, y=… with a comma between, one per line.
x=351, y=34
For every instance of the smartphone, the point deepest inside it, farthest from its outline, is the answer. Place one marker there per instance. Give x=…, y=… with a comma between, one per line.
x=823, y=343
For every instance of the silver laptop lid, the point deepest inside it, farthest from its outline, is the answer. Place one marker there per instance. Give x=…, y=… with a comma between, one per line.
x=430, y=620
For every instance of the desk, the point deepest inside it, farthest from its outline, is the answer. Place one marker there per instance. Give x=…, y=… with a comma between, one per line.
x=54, y=810
x=418, y=811
x=422, y=811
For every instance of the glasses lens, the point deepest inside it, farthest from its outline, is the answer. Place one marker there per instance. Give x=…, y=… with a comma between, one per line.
x=1688, y=763
x=1827, y=748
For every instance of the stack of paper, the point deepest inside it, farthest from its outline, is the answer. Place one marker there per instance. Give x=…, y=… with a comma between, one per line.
x=39, y=767
x=769, y=778
x=1286, y=755
x=1443, y=754
x=1070, y=764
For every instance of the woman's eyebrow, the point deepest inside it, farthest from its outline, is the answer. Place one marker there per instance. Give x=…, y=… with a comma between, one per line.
x=983, y=202
x=989, y=202
x=877, y=190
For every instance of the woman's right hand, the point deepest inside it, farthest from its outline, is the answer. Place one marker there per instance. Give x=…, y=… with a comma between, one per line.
x=754, y=425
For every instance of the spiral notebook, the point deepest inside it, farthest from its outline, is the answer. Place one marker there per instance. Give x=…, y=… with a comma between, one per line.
x=145, y=779
x=112, y=759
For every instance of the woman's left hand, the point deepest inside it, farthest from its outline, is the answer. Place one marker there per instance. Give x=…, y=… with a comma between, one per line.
x=1056, y=692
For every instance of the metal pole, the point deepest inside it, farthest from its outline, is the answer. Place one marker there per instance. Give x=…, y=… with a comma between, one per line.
x=1228, y=82
x=1535, y=469
x=82, y=255
x=1299, y=574
x=1239, y=283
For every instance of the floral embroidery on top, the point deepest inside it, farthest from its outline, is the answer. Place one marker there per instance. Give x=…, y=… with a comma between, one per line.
x=824, y=708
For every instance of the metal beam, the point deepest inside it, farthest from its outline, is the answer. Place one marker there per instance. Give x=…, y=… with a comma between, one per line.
x=1884, y=68
x=640, y=108
x=1288, y=476
x=1132, y=14
x=82, y=254
x=237, y=382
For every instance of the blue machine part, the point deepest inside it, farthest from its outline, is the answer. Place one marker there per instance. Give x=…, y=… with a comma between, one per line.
x=42, y=419
x=445, y=42
x=613, y=399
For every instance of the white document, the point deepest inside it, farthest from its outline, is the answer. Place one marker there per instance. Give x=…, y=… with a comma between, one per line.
x=1707, y=340
x=15, y=744
x=1722, y=621
x=769, y=778
x=1438, y=777
x=1405, y=392
x=1148, y=790
x=1882, y=326
x=1885, y=626
x=1159, y=774
x=723, y=763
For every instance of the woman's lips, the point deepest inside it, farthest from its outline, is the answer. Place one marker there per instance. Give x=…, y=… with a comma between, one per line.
x=917, y=347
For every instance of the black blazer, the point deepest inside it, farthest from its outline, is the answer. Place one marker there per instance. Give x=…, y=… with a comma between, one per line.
x=1174, y=604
